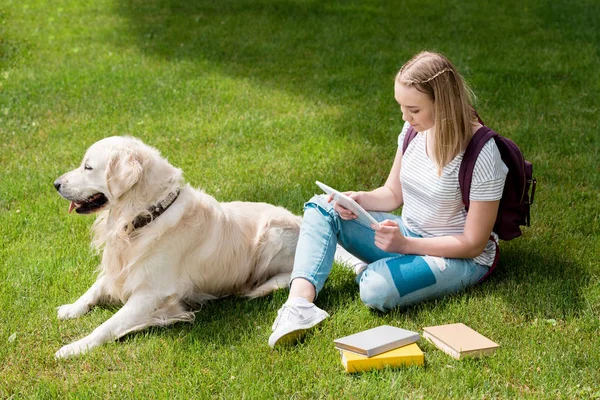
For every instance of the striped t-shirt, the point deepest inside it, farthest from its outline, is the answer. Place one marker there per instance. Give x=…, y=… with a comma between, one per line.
x=433, y=204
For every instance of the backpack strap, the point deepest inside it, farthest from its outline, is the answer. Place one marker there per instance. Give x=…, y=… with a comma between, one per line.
x=495, y=263
x=411, y=133
x=465, y=176
x=465, y=173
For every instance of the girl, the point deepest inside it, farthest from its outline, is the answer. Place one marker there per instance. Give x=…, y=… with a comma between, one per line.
x=436, y=247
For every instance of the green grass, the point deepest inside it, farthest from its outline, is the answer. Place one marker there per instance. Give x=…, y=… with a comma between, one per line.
x=255, y=100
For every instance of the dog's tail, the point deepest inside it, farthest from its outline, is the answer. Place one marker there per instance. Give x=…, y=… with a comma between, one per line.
x=278, y=281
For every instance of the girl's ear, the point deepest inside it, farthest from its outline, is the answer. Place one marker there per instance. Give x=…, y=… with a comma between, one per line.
x=122, y=172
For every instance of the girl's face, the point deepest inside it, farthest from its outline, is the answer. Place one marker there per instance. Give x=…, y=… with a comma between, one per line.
x=417, y=107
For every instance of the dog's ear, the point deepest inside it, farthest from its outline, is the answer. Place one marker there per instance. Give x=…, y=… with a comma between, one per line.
x=122, y=172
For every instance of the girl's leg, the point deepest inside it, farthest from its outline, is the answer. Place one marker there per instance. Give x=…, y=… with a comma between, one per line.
x=320, y=232
x=321, y=228
x=342, y=256
x=405, y=280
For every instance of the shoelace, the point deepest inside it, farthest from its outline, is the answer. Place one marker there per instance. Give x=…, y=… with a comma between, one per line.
x=283, y=314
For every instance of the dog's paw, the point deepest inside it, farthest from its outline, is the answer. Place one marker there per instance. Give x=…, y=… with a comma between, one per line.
x=71, y=350
x=69, y=311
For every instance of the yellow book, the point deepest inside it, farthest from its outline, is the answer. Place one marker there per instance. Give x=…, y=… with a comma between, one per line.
x=401, y=356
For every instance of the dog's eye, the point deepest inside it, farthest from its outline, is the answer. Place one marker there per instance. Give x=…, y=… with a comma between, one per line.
x=87, y=166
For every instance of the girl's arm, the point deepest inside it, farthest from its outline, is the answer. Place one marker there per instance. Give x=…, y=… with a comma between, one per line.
x=469, y=244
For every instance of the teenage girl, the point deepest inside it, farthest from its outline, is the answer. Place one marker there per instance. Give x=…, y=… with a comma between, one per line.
x=436, y=247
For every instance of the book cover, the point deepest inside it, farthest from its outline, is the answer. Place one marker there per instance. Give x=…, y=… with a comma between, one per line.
x=458, y=340
x=401, y=356
x=376, y=340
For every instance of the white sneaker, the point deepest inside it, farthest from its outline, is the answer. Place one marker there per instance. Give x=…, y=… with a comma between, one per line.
x=349, y=260
x=293, y=319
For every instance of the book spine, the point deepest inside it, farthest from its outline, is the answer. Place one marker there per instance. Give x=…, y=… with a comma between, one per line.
x=442, y=346
x=367, y=365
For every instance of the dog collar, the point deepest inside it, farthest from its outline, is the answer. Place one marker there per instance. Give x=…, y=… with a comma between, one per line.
x=155, y=211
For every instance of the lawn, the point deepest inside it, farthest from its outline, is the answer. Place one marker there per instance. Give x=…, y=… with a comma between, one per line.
x=255, y=100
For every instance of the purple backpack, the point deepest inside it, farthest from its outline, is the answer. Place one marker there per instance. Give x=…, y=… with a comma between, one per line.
x=514, y=209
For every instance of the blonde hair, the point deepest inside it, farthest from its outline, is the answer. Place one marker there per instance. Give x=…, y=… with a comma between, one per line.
x=433, y=74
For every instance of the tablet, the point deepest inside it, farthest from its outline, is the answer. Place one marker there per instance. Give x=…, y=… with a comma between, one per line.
x=347, y=202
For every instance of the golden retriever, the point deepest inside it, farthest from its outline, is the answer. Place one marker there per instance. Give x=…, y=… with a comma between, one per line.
x=167, y=247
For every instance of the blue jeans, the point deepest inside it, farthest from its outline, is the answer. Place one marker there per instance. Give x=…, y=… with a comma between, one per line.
x=390, y=279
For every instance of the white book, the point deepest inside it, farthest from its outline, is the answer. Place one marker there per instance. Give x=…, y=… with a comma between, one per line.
x=347, y=202
x=376, y=340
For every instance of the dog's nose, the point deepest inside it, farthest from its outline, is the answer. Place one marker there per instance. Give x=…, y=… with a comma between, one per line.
x=57, y=184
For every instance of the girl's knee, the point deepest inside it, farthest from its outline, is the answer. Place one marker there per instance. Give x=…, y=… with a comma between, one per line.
x=377, y=293
x=317, y=208
x=384, y=289
x=318, y=201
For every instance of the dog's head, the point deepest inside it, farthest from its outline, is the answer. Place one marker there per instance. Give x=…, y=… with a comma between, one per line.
x=110, y=169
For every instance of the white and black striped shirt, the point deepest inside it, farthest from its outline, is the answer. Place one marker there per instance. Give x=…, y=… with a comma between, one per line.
x=433, y=204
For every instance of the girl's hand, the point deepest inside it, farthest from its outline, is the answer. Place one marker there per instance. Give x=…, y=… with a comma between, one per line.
x=389, y=238
x=344, y=212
